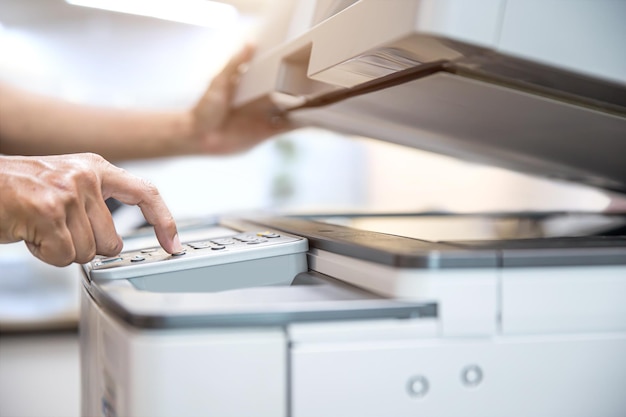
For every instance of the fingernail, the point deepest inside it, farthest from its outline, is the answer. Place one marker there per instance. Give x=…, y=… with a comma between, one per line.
x=177, y=246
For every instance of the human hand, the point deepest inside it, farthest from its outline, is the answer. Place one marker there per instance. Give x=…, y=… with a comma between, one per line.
x=56, y=205
x=218, y=128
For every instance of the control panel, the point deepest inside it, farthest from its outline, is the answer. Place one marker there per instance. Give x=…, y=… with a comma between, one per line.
x=244, y=253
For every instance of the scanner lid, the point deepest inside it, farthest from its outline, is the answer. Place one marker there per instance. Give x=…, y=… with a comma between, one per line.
x=537, y=87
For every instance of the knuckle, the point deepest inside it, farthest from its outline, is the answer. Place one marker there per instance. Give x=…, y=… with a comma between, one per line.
x=67, y=187
x=167, y=223
x=110, y=247
x=82, y=174
x=90, y=182
x=149, y=187
x=62, y=258
x=85, y=173
x=116, y=246
x=65, y=261
x=94, y=158
x=43, y=250
x=55, y=262
x=53, y=207
x=86, y=254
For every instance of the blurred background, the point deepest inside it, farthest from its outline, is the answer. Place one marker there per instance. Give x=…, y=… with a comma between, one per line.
x=105, y=58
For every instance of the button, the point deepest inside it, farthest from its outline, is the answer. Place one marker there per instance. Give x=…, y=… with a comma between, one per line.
x=137, y=258
x=110, y=260
x=218, y=247
x=224, y=241
x=418, y=386
x=149, y=250
x=200, y=245
x=179, y=253
x=256, y=241
x=104, y=261
x=270, y=235
x=246, y=237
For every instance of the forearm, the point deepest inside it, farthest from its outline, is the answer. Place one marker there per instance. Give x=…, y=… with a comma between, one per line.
x=35, y=125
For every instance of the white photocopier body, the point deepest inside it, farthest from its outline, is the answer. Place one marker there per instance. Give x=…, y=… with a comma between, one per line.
x=374, y=323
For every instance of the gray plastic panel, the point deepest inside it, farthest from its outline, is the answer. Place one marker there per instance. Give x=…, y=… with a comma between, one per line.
x=404, y=252
x=571, y=251
x=398, y=251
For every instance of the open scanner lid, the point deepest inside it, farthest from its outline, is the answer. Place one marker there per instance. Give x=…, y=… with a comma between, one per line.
x=538, y=87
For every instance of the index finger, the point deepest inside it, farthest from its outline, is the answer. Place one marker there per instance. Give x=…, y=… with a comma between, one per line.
x=133, y=190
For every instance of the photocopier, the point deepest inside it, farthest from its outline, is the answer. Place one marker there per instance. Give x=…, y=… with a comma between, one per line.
x=395, y=314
